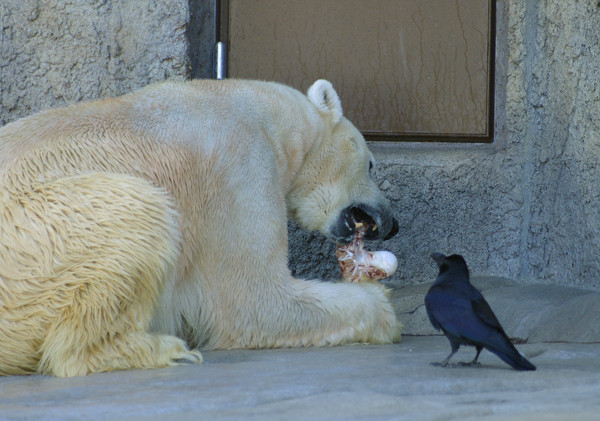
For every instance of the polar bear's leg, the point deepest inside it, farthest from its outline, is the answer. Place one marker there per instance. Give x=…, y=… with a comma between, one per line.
x=96, y=250
x=134, y=349
x=250, y=298
x=314, y=313
x=358, y=312
x=261, y=305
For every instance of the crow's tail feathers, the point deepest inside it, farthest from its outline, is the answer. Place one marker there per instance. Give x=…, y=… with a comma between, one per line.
x=515, y=360
x=522, y=364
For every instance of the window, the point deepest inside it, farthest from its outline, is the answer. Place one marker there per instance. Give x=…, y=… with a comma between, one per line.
x=404, y=69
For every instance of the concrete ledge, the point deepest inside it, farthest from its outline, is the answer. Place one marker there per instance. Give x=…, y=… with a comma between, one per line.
x=535, y=313
x=349, y=382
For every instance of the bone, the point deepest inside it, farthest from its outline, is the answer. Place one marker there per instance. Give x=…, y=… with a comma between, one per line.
x=360, y=265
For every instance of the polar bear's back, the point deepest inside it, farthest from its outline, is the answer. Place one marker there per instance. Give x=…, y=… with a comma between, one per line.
x=170, y=118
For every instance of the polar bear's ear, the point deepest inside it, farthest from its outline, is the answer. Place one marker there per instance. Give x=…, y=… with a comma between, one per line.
x=326, y=99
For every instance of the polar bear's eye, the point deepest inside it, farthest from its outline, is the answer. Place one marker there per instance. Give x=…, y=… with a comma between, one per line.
x=371, y=165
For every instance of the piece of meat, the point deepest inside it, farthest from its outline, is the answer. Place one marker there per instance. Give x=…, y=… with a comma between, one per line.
x=360, y=265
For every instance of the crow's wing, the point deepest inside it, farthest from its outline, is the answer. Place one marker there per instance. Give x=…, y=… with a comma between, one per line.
x=461, y=310
x=483, y=310
x=449, y=309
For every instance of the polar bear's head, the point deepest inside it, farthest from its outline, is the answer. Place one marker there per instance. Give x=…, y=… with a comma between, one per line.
x=334, y=188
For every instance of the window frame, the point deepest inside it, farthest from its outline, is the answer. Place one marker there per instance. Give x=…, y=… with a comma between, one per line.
x=222, y=37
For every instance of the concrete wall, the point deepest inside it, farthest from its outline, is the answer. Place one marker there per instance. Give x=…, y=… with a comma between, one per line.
x=58, y=52
x=554, y=77
x=528, y=206
x=525, y=207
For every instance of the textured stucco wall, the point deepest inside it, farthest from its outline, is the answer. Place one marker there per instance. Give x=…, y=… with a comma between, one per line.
x=56, y=52
x=525, y=207
x=555, y=76
x=528, y=206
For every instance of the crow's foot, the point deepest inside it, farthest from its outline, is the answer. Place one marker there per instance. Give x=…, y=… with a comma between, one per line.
x=469, y=364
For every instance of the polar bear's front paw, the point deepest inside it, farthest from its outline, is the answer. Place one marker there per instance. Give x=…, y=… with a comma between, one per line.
x=192, y=357
x=385, y=328
x=176, y=351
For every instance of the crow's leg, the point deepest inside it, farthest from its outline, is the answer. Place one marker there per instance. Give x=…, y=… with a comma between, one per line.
x=473, y=363
x=445, y=362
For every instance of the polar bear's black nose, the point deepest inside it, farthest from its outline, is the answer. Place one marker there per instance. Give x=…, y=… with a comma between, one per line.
x=381, y=224
x=394, y=230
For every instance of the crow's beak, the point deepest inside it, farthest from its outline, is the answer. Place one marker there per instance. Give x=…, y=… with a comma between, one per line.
x=439, y=258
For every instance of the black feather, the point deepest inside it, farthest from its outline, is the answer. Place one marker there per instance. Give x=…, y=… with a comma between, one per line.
x=458, y=309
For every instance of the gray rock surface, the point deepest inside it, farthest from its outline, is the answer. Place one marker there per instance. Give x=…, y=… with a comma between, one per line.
x=532, y=313
x=345, y=383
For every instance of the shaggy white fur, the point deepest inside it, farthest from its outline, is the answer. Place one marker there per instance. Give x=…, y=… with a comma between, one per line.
x=136, y=227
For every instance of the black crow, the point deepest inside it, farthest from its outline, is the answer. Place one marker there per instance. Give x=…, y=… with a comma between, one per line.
x=460, y=311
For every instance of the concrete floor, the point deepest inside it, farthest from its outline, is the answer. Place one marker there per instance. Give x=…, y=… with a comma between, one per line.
x=349, y=382
x=356, y=381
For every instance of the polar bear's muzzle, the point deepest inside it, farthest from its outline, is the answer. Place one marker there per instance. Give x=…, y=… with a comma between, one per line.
x=381, y=223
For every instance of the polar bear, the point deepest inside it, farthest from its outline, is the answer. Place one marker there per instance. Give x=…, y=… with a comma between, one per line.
x=138, y=229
